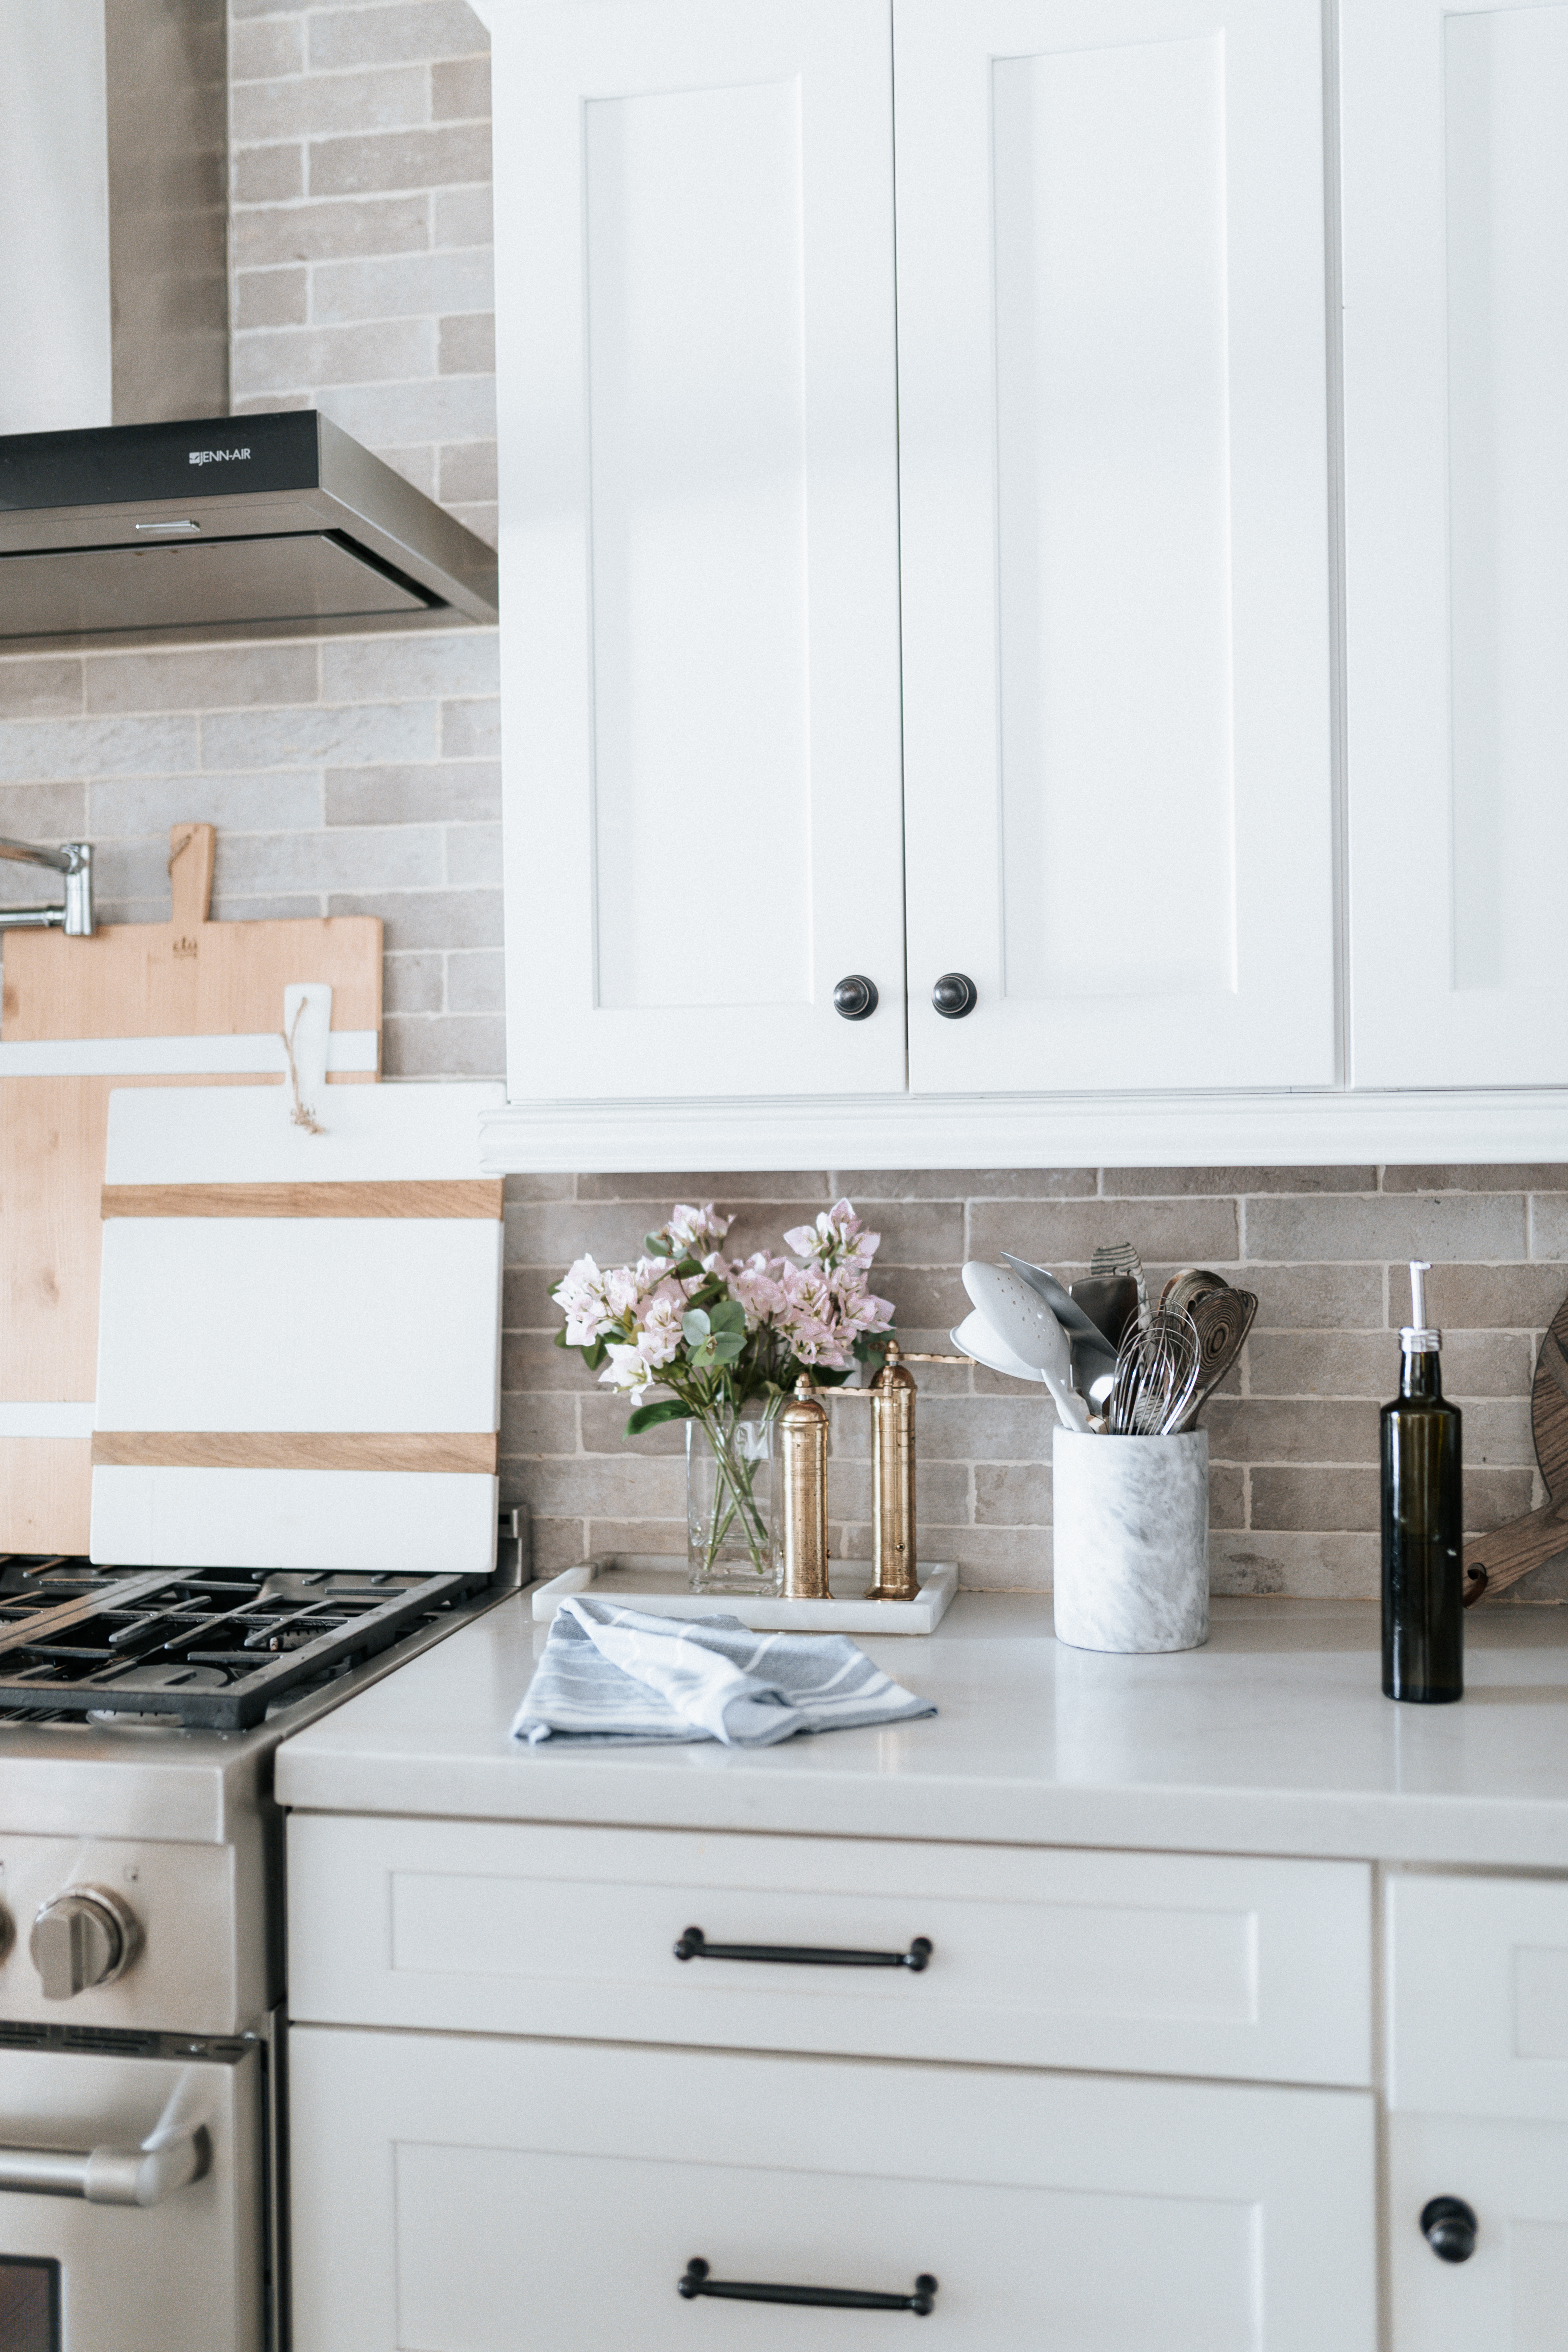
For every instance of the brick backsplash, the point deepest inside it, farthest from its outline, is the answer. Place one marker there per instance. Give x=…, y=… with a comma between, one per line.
x=360, y=775
x=1292, y=1435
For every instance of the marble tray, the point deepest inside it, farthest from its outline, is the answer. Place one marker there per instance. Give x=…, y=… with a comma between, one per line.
x=657, y=1585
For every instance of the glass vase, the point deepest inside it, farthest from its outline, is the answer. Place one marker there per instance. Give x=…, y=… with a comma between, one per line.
x=730, y=1543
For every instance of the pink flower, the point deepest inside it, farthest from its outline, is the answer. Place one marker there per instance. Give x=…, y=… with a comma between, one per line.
x=580, y=1293
x=754, y=1284
x=838, y=1239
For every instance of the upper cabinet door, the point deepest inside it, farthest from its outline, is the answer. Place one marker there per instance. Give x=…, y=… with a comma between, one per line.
x=1116, y=524
x=1455, y=238
x=698, y=412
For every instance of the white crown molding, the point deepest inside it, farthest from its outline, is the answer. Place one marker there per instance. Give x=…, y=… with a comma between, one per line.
x=1026, y=1131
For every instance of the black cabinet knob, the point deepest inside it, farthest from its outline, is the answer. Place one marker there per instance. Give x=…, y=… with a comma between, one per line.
x=855, y=998
x=1450, y=2229
x=954, y=995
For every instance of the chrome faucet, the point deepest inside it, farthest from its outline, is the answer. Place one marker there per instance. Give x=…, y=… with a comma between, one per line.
x=74, y=860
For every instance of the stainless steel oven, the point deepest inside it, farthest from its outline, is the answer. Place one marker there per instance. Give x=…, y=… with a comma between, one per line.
x=132, y=2212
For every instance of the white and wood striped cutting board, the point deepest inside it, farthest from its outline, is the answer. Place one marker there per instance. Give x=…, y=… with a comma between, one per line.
x=298, y=1335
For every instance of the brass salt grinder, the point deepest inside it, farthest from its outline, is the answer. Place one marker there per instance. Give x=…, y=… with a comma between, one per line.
x=803, y=1434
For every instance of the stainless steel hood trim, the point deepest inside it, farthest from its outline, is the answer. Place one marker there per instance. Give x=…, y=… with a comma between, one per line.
x=355, y=497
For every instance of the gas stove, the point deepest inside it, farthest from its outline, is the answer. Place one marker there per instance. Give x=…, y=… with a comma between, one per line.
x=219, y=1648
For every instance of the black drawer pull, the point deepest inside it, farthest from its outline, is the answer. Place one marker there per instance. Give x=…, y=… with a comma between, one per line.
x=694, y=1946
x=839, y=2298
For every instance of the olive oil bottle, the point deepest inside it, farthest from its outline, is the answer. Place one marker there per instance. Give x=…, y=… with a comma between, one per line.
x=1423, y=1522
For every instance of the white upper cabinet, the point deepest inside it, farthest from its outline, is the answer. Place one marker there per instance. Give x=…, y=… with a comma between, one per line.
x=698, y=416
x=1116, y=570
x=1456, y=268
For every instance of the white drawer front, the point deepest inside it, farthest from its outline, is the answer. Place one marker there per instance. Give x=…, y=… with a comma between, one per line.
x=1479, y=1996
x=466, y=2195
x=1136, y=1963
x=1511, y=2295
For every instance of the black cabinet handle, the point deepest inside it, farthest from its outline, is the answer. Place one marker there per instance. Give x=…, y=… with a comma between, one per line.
x=855, y=998
x=954, y=995
x=838, y=2298
x=1450, y=2228
x=694, y=1946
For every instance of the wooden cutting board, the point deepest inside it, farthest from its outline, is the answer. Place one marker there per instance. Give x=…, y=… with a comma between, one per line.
x=1494, y=1562
x=80, y=1019
x=334, y=1404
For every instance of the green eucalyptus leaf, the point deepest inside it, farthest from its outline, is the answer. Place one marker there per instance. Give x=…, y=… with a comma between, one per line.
x=726, y=1346
x=730, y=1317
x=695, y=1327
x=653, y=1416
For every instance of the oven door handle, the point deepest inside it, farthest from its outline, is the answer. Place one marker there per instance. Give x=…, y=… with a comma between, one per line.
x=110, y=2176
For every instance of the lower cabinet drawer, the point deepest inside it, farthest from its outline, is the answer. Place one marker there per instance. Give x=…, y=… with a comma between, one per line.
x=1511, y=2294
x=462, y=2194
x=1478, y=1979
x=1132, y=1963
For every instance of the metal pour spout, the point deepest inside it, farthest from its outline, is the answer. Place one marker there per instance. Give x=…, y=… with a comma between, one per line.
x=74, y=860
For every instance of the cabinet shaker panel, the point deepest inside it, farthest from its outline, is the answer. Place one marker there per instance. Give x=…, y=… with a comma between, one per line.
x=459, y=2194
x=1115, y=501
x=1456, y=245
x=1510, y=2295
x=696, y=379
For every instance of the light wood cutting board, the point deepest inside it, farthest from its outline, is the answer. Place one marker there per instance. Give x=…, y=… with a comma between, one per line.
x=214, y=992
x=334, y=1402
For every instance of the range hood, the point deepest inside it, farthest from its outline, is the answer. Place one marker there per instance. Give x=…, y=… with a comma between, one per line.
x=274, y=525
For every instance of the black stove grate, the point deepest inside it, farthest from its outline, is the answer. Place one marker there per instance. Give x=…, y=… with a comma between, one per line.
x=211, y=1648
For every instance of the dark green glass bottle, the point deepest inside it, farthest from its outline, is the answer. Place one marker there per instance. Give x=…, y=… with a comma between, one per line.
x=1422, y=1523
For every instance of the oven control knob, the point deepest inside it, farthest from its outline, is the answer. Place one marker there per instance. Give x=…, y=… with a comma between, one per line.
x=86, y=1936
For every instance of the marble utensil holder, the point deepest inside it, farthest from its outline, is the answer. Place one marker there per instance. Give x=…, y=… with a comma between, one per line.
x=1131, y=1541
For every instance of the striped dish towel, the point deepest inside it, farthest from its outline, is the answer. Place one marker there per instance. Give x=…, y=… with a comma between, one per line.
x=613, y=1676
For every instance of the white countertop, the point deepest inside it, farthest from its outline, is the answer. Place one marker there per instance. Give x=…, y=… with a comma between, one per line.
x=1276, y=1738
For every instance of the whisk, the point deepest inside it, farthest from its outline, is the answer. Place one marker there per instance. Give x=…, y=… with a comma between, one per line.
x=1157, y=1371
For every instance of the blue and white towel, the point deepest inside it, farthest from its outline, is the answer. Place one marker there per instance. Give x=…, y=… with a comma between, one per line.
x=614, y=1677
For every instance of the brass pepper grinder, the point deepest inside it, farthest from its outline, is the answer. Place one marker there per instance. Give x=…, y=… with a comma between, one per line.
x=802, y=1438
x=893, y=1479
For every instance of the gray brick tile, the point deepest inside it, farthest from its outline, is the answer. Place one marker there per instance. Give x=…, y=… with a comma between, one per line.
x=1013, y=1494
x=539, y=1425
x=1324, y=1298
x=389, y=415
x=413, y=285
x=302, y=105
x=452, y=1046
x=40, y=685
x=1318, y=1567
x=283, y=358
x=392, y=668
x=1137, y=1183
x=1227, y=1496
x=468, y=472
x=378, y=734
x=604, y=1428
x=421, y=30
x=460, y=90
x=1446, y=1225
x=477, y=982
x=987, y=1429
x=43, y=813
x=726, y=1189
x=1327, y=1501
x=414, y=983
x=1181, y=1232
x=436, y=794
x=473, y=855
x=966, y=1183
x=468, y=342
x=471, y=731
x=1549, y=1225
x=1484, y=1298
x=427, y=919
x=330, y=231
x=464, y=217
x=482, y=520
x=1540, y=1176
x=397, y=857
x=623, y=1486
x=202, y=678
x=448, y=156
x=49, y=750
x=271, y=298
x=267, y=175
x=1366, y=1365
x=260, y=50
x=1249, y=1429
x=246, y=804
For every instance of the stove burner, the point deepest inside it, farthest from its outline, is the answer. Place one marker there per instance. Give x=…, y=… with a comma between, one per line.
x=219, y=1646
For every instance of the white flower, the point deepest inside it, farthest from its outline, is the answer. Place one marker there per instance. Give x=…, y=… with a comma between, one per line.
x=695, y=1228
x=837, y=1238
x=580, y=1293
x=626, y=1369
